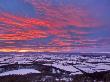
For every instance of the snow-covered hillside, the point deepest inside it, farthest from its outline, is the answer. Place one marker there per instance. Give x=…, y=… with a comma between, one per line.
x=75, y=64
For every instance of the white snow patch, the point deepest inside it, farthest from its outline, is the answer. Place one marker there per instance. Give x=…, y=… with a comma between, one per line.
x=67, y=68
x=20, y=72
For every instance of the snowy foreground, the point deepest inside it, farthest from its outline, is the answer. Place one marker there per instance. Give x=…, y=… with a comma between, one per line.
x=19, y=72
x=74, y=64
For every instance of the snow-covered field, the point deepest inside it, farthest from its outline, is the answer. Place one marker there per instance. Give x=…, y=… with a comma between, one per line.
x=71, y=63
x=19, y=72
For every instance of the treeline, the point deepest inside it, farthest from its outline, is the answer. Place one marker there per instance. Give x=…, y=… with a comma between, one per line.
x=54, y=78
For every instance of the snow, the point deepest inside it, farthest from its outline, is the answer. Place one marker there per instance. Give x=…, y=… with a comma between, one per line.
x=89, y=64
x=85, y=68
x=102, y=67
x=19, y=72
x=77, y=73
x=69, y=68
x=91, y=68
x=4, y=58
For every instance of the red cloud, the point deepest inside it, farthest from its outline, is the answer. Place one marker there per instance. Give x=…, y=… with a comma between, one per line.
x=64, y=15
x=55, y=19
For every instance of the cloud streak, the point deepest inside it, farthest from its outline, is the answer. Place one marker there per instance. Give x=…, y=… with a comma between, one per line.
x=55, y=27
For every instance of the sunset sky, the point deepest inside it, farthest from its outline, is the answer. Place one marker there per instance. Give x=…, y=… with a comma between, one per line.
x=55, y=25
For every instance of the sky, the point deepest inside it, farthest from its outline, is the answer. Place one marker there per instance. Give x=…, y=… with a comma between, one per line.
x=55, y=25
